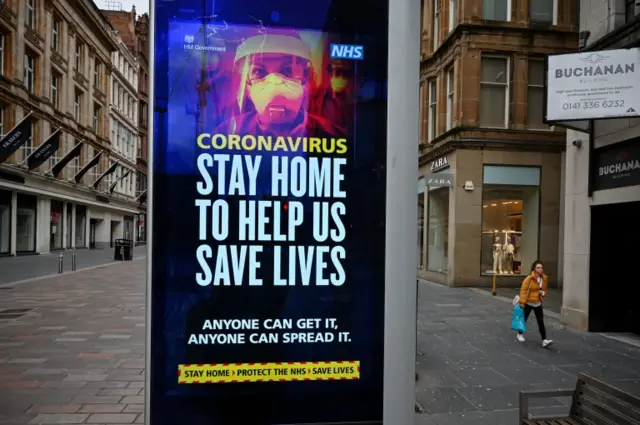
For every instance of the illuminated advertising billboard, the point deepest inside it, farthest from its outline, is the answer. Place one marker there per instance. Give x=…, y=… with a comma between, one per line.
x=267, y=257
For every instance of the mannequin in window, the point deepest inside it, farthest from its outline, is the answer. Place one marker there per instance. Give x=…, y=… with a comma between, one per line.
x=509, y=251
x=497, y=256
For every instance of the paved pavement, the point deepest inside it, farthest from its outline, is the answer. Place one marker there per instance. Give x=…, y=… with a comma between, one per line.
x=471, y=367
x=20, y=268
x=72, y=348
x=72, y=351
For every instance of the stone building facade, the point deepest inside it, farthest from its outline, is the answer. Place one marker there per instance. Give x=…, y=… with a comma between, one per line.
x=489, y=197
x=56, y=66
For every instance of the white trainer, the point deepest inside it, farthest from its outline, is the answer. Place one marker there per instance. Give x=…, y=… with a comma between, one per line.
x=546, y=343
x=520, y=337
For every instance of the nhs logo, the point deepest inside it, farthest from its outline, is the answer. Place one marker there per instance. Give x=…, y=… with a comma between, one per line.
x=347, y=51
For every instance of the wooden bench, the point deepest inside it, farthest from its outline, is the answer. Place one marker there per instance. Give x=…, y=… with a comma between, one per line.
x=593, y=403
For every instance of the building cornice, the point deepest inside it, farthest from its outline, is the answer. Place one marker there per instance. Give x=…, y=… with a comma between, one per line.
x=100, y=25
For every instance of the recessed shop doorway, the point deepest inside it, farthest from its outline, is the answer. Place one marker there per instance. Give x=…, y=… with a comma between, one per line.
x=614, y=288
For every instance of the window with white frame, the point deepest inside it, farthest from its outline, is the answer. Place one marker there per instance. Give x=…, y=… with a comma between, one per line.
x=55, y=35
x=535, y=95
x=1, y=121
x=111, y=177
x=494, y=91
x=436, y=23
x=433, y=110
x=79, y=57
x=95, y=124
x=29, y=146
x=496, y=10
x=55, y=90
x=95, y=171
x=543, y=11
x=30, y=14
x=55, y=157
x=30, y=72
x=452, y=14
x=77, y=105
x=450, y=97
x=97, y=69
x=3, y=40
x=423, y=111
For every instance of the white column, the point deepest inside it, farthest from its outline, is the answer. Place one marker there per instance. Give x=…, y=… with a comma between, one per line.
x=87, y=227
x=43, y=225
x=73, y=225
x=14, y=222
x=65, y=226
x=401, y=213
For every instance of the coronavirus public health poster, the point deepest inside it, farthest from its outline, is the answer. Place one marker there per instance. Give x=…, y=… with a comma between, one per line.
x=267, y=275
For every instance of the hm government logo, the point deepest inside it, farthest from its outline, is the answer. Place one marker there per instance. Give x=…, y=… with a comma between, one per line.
x=347, y=51
x=189, y=38
x=594, y=58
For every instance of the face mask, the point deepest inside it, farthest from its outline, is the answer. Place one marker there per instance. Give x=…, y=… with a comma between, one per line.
x=338, y=84
x=276, y=98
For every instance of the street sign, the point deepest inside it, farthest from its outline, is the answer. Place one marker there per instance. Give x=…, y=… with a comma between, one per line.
x=272, y=299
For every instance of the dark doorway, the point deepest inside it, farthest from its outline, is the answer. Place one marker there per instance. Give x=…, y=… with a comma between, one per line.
x=613, y=275
x=92, y=233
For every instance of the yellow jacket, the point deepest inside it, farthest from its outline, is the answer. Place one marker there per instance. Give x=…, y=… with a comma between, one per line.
x=530, y=290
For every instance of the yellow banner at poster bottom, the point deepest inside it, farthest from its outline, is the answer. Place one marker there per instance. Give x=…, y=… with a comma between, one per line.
x=267, y=372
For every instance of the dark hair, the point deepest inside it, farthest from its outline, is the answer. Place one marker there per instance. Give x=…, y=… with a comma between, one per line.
x=535, y=263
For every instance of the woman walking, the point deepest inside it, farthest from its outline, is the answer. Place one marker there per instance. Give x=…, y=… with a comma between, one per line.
x=532, y=293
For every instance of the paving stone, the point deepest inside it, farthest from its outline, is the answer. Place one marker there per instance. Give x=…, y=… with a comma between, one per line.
x=97, y=399
x=102, y=408
x=55, y=408
x=134, y=408
x=86, y=378
x=119, y=391
x=61, y=418
x=112, y=418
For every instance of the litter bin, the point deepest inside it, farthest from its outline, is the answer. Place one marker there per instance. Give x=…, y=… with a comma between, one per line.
x=123, y=250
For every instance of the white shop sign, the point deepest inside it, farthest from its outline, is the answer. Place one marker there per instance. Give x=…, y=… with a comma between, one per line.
x=593, y=85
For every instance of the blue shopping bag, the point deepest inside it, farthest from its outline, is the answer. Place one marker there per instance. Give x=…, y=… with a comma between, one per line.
x=517, y=322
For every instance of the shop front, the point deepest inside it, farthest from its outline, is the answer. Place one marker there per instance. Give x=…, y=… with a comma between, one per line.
x=500, y=214
x=5, y=222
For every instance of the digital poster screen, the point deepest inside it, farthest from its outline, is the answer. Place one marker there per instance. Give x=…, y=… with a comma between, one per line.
x=268, y=212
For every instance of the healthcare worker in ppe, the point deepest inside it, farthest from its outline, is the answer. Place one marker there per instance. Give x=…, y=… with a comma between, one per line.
x=335, y=101
x=273, y=93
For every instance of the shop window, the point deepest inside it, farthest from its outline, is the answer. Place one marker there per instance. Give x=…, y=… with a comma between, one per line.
x=5, y=222
x=26, y=221
x=535, y=95
x=81, y=224
x=510, y=219
x=142, y=227
x=496, y=10
x=56, y=225
x=438, y=229
x=543, y=11
x=494, y=91
x=421, y=211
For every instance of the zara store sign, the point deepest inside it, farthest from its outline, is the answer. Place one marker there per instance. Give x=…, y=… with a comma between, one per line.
x=439, y=163
x=617, y=165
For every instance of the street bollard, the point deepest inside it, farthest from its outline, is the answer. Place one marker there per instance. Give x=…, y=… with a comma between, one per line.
x=73, y=260
x=60, y=264
x=494, y=291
